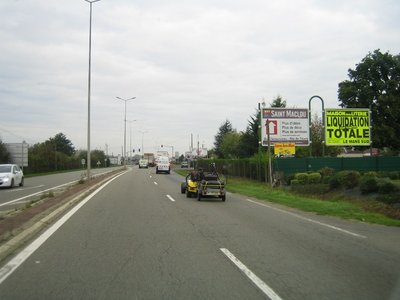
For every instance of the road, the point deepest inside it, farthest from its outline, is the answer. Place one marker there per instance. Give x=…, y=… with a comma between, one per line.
x=11, y=198
x=139, y=238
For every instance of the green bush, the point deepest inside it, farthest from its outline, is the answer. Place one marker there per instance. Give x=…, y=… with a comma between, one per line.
x=394, y=175
x=371, y=174
x=314, y=178
x=311, y=189
x=326, y=179
x=327, y=171
x=386, y=187
x=349, y=179
x=392, y=198
x=301, y=177
x=334, y=182
x=369, y=184
x=294, y=182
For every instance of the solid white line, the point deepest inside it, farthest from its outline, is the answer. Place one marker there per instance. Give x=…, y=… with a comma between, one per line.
x=38, y=193
x=310, y=220
x=25, y=188
x=170, y=198
x=13, y=264
x=253, y=277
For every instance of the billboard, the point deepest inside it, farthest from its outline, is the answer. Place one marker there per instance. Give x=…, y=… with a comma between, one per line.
x=18, y=153
x=347, y=127
x=285, y=149
x=286, y=125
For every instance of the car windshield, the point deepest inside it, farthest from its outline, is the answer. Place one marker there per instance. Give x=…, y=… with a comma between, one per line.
x=5, y=169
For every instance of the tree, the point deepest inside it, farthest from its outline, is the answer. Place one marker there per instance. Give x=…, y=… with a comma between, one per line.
x=375, y=84
x=62, y=144
x=230, y=145
x=278, y=102
x=4, y=154
x=248, y=145
x=317, y=138
x=224, y=129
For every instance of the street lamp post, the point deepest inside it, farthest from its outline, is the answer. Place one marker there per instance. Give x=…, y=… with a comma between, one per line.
x=89, y=81
x=124, y=154
x=142, y=132
x=130, y=137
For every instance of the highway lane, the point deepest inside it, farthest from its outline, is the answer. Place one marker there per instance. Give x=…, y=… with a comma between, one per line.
x=139, y=238
x=37, y=184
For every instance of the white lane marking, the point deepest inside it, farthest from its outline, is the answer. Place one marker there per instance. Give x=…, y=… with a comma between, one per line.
x=155, y=183
x=26, y=188
x=170, y=198
x=310, y=220
x=14, y=263
x=38, y=193
x=253, y=277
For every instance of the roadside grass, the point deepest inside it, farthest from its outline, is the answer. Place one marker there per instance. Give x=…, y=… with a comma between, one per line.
x=335, y=206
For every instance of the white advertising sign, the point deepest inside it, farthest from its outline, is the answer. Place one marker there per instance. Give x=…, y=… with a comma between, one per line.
x=286, y=125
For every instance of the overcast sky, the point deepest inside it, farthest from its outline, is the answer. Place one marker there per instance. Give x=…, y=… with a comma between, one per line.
x=190, y=64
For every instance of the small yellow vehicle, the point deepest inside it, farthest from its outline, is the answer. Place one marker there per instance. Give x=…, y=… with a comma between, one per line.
x=190, y=185
x=204, y=185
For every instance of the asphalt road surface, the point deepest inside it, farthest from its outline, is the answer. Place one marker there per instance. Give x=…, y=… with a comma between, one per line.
x=140, y=238
x=11, y=198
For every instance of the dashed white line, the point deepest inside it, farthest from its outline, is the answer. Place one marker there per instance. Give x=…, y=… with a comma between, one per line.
x=155, y=183
x=253, y=277
x=309, y=220
x=170, y=198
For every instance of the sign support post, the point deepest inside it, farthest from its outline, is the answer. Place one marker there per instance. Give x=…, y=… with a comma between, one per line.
x=323, y=124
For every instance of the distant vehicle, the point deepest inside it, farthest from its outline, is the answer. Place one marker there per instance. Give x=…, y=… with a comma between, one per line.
x=143, y=163
x=150, y=157
x=11, y=175
x=184, y=164
x=163, y=165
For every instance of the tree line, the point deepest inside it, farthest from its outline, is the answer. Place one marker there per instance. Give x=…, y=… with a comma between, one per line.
x=55, y=154
x=373, y=84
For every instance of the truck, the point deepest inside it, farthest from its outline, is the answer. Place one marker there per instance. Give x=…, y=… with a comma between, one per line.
x=150, y=157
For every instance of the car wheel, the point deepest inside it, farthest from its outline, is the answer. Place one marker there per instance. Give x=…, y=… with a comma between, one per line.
x=223, y=198
x=199, y=196
x=183, y=187
x=22, y=182
x=188, y=194
x=12, y=183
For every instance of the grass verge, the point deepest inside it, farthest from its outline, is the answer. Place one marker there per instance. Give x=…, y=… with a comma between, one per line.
x=337, y=207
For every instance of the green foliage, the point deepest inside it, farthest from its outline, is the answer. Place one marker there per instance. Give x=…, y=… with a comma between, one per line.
x=302, y=178
x=230, y=145
x=278, y=102
x=349, y=179
x=314, y=178
x=248, y=145
x=295, y=182
x=386, y=186
x=310, y=189
x=327, y=171
x=392, y=198
x=4, y=154
x=394, y=175
x=224, y=129
x=369, y=184
x=374, y=84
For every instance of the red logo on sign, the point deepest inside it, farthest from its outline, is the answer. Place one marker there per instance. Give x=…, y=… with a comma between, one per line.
x=273, y=127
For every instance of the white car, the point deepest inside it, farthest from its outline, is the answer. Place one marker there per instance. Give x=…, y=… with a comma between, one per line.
x=143, y=163
x=11, y=175
x=163, y=165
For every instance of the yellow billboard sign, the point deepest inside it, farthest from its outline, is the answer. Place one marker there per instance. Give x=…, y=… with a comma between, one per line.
x=284, y=148
x=347, y=127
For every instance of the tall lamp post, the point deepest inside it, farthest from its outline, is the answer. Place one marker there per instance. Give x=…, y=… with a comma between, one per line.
x=130, y=137
x=142, y=132
x=89, y=79
x=124, y=154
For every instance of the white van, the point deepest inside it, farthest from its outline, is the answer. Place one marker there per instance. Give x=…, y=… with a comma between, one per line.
x=163, y=165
